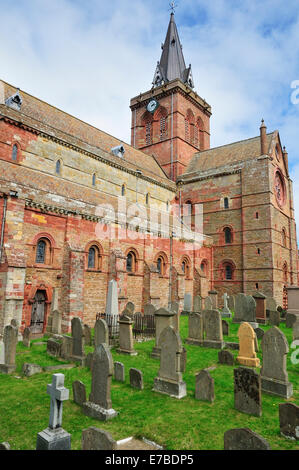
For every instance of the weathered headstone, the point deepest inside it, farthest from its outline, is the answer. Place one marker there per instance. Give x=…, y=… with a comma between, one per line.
x=119, y=371
x=289, y=420
x=149, y=309
x=293, y=299
x=260, y=300
x=99, y=404
x=10, y=340
x=225, y=312
x=55, y=437
x=97, y=439
x=259, y=333
x=66, y=349
x=78, y=340
x=187, y=304
x=197, y=304
x=184, y=360
x=213, y=329
x=231, y=302
x=225, y=328
x=245, y=310
x=274, y=318
x=31, y=369
x=208, y=305
x=26, y=337
x=204, y=386
x=226, y=357
x=136, y=378
x=296, y=330
x=112, y=299
x=244, y=439
x=2, y=354
x=56, y=322
x=87, y=335
x=163, y=318
x=274, y=374
x=54, y=345
x=169, y=380
x=89, y=361
x=101, y=333
x=291, y=318
x=126, y=342
x=79, y=392
x=196, y=331
x=247, y=355
x=130, y=309
x=247, y=391
x=213, y=294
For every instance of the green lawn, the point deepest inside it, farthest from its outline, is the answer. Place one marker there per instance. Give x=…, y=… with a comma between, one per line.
x=185, y=424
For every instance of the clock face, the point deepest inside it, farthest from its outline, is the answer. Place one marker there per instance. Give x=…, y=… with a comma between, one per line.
x=152, y=106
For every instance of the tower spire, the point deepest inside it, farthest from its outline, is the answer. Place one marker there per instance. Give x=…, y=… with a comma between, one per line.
x=172, y=63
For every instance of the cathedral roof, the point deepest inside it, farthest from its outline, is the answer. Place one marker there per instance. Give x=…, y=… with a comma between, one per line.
x=172, y=63
x=226, y=154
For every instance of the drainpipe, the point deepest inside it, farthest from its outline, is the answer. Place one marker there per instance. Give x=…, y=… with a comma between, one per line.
x=3, y=225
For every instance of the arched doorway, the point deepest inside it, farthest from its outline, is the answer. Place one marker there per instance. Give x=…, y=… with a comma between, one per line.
x=38, y=312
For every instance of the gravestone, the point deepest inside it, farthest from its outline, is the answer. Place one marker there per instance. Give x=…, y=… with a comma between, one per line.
x=213, y=294
x=126, y=342
x=293, y=299
x=78, y=340
x=213, y=329
x=274, y=318
x=89, y=360
x=296, y=330
x=247, y=391
x=245, y=310
x=163, y=318
x=197, y=305
x=260, y=300
x=184, y=360
x=225, y=328
x=291, y=318
x=259, y=333
x=204, y=386
x=79, y=392
x=112, y=299
x=187, y=304
x=169, y=380
x=54, y=345
x=244, y=439
x=225, y=312
x=56, y=322
x=149, y=309
x=26, y=337
x=55, y=437
x=289, y=420
x=231, y=302
x=119, y=372
x=101, y=333
x=10, y=340
x=66, y=349
x=196, y=331
x=208, y=305
x=136, y=378
x=247, y=355
x=99, y=404
x=130, y=309
x=97, y=439
x=31, y=369
x=274, y=374
x=226, y=357
x=87, y=335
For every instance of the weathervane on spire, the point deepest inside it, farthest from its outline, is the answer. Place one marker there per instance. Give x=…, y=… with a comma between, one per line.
x=173, y=6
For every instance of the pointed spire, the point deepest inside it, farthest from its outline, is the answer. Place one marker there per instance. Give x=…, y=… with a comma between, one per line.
x=172, y=63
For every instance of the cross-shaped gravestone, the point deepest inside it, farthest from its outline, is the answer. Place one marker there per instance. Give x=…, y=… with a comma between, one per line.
x=58, y=394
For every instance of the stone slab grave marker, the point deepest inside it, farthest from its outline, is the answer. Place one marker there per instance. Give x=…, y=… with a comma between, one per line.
x=247, y=391
x=196, y=330
x=54, y=306
x=293, y=299
x=56, y=322
x=163, y=318
x=274, y=374
x=97, y=439
x=174, y=307
x=213, y=294
x=260, y=300
x=112, y=299
x=204, y=386
x=169, y=380
x=244, y=439
x=231, y=302
x=31, y=369
x=149, y=309
x=274, y=318
x=289, y=420
x=26, y=337
x=126, y=342
x=119, y=372
x=55, y=437
x=78, y=340
x=87, y=335
x=291, y=318
x=136, y=378
x=208, y=304
x=101, y=332
x=226, y=357
x=245, y=310
x=79, y=392
x=296, y=330
x=213, y=329
x=225, y=312
x=187, y=304
x=130, y=309
x=99, y=405
x=2, y=354
x=66, y=349
x=54, y=345
x=10, y=340
x=225, y=328
x=247, y=355
x=197, y=304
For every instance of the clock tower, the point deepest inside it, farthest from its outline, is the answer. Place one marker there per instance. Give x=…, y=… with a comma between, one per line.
x=171, y=121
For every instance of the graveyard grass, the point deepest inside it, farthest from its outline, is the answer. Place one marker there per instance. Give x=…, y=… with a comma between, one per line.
x=185, y=424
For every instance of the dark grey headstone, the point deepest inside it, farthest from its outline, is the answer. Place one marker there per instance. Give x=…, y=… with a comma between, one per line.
x=78, y=339
x=291, y=319
x=259, y=333
x=54, y=345
x=87, y=335
x=244, y=439
x=274, y=318
x=136, y=378
x=89, y=360
x=119, y=372
x=226, y=357
x=196, y=331
x=247, y=391
x=225, y=328
x=79, y=392
x=204, y=386
x=184, y=360
x=97, y=439
x=289, y=420
x=26, y=337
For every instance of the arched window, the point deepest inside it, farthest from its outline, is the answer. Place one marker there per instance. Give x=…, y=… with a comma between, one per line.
x=131, y=262
x=285, y=273
x=147, y=199
x=284, y=237
x=228, y=237
x=189, y=127
x=58, y=167
x=198, y=134
x=228, y=272
x=94, y=258
x=186, y=267
x=43, y=251
x=204, y=267
x=14, y=154
x=226, y=203
x=161, y=264
x=94, y=179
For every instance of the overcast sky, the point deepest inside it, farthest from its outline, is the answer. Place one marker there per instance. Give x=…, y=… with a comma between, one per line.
x=90, y=57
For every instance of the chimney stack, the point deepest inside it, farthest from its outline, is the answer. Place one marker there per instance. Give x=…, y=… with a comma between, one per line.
x=263, y=130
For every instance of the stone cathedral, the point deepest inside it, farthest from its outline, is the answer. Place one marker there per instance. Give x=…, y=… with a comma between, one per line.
x=68, y=188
